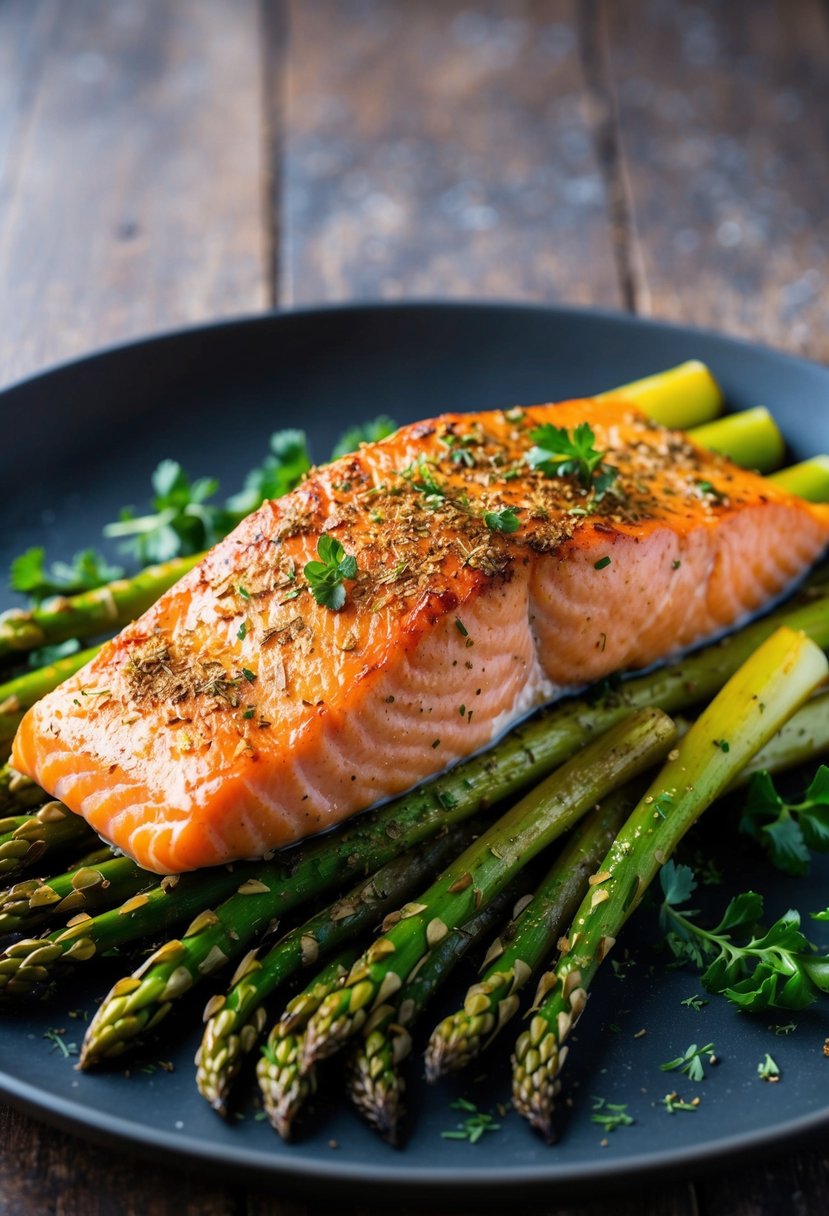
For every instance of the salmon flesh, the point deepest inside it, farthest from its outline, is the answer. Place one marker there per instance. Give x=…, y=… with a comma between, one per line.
x=239, y=714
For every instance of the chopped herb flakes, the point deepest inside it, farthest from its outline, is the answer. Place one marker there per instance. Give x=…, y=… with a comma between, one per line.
x=610, y=1115
x=695, y=1002
x=673, y=1102
x=602, y=563
x=473, y=1127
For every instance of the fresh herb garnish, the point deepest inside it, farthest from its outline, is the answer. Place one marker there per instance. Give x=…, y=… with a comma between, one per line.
x=365, y=432
x=283, y=468
x=690, y=1062
x=755, y=968
x=474, y=1127
x=788, y=830
x=610, y=1115
x=181, y=522
x=326, y=577
x=558, y=453
x=601, y=563
x=85, y=572
x=55, y=1037
x=502, y=521
x=768, y=1070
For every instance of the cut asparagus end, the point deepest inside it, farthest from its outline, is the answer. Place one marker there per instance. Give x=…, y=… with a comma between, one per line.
x=681, y=397
x=752, y=439
x=752, y=706
x=808, y=480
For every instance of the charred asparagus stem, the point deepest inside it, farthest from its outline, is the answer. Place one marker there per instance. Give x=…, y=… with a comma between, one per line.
x=483, y=870
x=493, y=1001
x=374, y=1082
x=755, y=703
x=92, y=612
x=50, y=831
x=284, y=1088
x=236, y=1021
x=102, y=882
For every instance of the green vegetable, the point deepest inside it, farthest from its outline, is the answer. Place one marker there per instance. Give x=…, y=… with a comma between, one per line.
x=283, y=468
x=558, y=453
x=325, y=577
x=756, y=969
x=788, y=830
x=86, y=571
x=681, y=397
x=182, y=521
x=365, y=432
x=764, y=693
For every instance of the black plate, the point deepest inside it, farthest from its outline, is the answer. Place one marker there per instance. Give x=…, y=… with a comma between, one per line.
x=87, y=436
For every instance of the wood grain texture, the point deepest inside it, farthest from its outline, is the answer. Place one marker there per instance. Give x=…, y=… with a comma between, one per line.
x=43, y=1171
x=440, y=148
x=794, y=1185
x=130, y=171
x=722, y=139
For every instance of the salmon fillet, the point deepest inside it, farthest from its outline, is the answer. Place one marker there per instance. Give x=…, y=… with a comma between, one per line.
x=238, y=714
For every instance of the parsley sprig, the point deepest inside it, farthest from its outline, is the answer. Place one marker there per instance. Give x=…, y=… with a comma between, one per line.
x=365, y=432
x=561, y=453
x=753, y=967
x=789, y=831
x=181, y=521
x=326, y=577
x=285, y=465
x=85, y=572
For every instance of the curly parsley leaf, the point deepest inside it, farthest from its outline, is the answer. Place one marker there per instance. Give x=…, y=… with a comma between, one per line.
x=365, y=432
x=283, y=468
x=86, y=571
x=326, y=577
x=754, y=967
x=789, y=831
x=560, y=453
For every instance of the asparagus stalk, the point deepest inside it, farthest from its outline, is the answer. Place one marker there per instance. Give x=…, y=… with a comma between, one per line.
x=18, y=791
x=79, y=616
x=750, y=438
x=51, y=830
x=681, y=397
x=754, y=703
x=374, y=1082
x=26, y=965
x=493, y=1001
x=809, y=479
x=18, y=695
x=802, y=739
x=284, y=1088
x=526, y=755
x=103, y=881
x=483, y=870
x=235, y=1022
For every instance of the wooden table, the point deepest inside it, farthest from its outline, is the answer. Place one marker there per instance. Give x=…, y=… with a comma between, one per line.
x=167, y=161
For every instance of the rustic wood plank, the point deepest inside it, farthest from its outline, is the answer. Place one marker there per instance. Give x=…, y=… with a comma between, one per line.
x=789, y=1184
x=43, y=1170
x=723, y=132
x=130, y=171
x=441, y=148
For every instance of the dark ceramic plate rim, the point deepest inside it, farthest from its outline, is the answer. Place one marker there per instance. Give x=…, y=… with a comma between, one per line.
x=240, y=1162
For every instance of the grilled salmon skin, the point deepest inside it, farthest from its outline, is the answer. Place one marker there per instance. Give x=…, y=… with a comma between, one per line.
x=239, y=714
